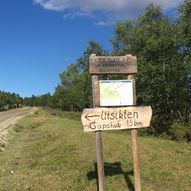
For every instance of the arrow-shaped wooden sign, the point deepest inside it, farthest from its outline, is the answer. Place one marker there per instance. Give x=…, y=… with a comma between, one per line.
x=116, y=118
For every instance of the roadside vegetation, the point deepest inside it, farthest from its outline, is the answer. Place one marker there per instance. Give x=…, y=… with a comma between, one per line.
x=162, y=45
x=49, y=151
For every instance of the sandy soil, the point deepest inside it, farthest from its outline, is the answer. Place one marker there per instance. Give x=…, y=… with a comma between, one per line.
x=8, y=118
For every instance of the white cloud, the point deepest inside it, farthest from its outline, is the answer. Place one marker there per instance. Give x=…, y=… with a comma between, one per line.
x=111, y=9
x=104, y=23
x=73, y=14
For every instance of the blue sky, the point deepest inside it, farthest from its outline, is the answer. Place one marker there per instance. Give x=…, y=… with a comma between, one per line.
x=40, y=38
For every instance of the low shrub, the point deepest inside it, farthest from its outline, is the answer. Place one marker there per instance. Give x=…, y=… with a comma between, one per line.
x=180, y=131
x=18, y=128
x=66, y=114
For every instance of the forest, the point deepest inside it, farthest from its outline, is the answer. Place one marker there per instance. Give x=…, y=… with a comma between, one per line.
x=162, y=45
x=9, y=100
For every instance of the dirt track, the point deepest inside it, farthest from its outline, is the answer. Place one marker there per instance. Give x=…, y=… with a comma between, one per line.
x=8, y=118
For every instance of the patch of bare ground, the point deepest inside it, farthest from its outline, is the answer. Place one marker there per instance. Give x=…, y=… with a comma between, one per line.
x=9, y=118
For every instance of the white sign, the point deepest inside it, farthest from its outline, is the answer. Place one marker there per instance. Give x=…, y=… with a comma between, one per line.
x=116, y=92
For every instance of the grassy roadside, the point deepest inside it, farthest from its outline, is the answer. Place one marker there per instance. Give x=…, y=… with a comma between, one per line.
x=48, y=152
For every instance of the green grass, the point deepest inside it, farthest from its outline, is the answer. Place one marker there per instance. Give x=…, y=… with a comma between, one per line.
x=48, y=152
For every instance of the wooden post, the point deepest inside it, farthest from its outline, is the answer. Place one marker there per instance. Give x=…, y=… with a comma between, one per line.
x=100, y=163
x=134, y=135
x=137, y=177
x=99, y=145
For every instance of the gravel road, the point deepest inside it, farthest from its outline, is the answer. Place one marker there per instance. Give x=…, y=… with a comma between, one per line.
x=8, y=118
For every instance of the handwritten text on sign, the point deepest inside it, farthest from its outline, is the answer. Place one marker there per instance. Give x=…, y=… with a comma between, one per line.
x=116, y=118
x=113, y=64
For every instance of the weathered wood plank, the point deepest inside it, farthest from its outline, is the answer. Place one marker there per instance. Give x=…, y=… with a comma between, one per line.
x=116, y=118
x=100, y=161
x=135, y=147
x=135, y=152
x=112, y=64
x=95, y=91
x=99, y=144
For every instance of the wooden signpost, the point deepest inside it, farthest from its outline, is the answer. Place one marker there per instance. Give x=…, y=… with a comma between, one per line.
x=112, y=93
